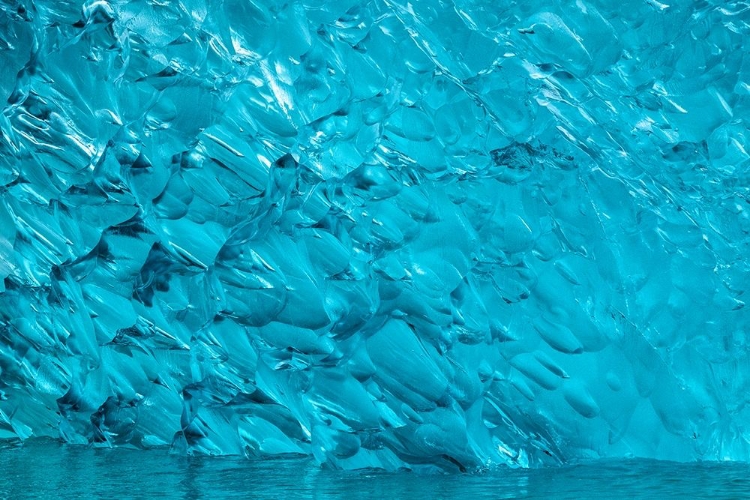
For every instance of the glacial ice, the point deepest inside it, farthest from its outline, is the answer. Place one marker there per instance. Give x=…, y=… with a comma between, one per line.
x=425, y=234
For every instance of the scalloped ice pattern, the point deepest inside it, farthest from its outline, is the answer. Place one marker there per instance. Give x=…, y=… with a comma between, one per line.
x=425, y=234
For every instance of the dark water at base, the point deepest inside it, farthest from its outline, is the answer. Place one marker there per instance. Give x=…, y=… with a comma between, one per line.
x=50, y=470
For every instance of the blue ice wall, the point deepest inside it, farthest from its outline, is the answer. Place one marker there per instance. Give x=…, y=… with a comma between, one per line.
x=383, y=233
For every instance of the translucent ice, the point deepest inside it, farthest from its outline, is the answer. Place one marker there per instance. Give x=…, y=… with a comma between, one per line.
x=385, y=234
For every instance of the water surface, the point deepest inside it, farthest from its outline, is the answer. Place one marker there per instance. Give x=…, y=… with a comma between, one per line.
x=49, y=469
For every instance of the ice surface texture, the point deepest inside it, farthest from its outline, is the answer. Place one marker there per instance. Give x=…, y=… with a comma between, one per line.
x=386, y=234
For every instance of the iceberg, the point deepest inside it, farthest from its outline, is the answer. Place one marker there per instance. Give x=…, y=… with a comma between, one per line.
x=403, y=235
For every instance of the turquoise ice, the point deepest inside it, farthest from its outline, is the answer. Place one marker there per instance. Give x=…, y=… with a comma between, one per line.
x=427, y=235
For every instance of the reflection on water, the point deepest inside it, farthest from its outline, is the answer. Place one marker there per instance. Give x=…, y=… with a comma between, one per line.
x=48, y=469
